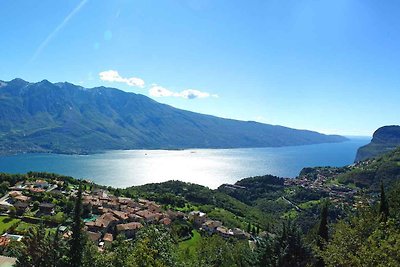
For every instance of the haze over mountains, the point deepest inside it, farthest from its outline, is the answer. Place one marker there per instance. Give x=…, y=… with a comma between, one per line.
x=65, y=118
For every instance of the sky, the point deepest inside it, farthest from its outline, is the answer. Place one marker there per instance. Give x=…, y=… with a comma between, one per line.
x=329, y=66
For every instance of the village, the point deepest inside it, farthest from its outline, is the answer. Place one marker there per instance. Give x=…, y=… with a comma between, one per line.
x=30, y=203
x=322, y=180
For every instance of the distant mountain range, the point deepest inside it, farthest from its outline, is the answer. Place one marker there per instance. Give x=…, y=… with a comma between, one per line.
x=385, y=139
x=66, y=118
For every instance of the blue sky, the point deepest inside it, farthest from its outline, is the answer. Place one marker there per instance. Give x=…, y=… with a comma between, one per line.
x=330, y=66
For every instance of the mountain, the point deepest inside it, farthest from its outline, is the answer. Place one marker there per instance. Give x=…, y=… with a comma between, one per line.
x=384, y=139
x=65, y=118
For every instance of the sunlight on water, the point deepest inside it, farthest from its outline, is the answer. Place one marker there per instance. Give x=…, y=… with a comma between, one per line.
x=210, y=167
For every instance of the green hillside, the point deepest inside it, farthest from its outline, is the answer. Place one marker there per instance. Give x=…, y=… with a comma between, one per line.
x=65, y=118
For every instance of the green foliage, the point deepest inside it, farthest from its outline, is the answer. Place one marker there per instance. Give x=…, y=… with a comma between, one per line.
x=364, y=241
x=77, y=242
x=42, y=249
x=105, y=118
x=285, y=248
x=323, y=231
x=384, y=139
x=369, y=175
x=383, y=205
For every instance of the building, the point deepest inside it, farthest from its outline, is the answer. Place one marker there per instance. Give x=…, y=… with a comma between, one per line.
x=103, y=223
x=223, y=231
x=46, y=208
x=21, y=207
x=198, y=217
x=148, y=216
x=210, y=226
x=94, y=236
x=129, y=229
x=108, y=239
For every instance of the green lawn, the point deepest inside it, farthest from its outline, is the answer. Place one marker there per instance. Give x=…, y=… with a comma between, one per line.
x=309, y=204
x=191, y=244
x=6, y=222
x=23, y=227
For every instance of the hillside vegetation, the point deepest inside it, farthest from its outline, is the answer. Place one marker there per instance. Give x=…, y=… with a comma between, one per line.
x=65, y=118
x=384, y=140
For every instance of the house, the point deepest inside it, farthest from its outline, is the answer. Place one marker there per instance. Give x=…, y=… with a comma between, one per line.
x=13, y=237
x=210, y=226
x=46, y=208
x=108, y=239
x=4, y=241
x=134, y=218
x=122, y=216
x=103, y=223
x=166, y=221
x=94, y=236
x=13, y=194
x=152, y=207
x=41, y=184
x=240, y=234
x=125, y=200
x=223, y=231
x=129, y=229
x=198, y=217
x=175, y=214
x=148, y=216
x=21, y=207
x=22, y=198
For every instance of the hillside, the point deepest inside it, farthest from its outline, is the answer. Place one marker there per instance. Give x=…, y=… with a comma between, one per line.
x=65, y=118
x=369, y=173
x=384, y=139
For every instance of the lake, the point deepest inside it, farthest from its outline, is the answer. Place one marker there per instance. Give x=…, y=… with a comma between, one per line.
x=209, y=167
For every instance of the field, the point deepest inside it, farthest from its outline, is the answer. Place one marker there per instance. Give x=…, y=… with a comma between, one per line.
x=190, y=245
x=6, y=222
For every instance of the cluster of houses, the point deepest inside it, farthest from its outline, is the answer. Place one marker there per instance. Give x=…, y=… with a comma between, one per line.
x=121, y=216
x=202, y=222
x=320, y=181
x=107, y=215
x=21, y=202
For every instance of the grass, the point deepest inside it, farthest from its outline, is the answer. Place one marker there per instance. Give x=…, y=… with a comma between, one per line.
x=309, y=204
x=23, y=227
x=290, y=215
x=191, y=245
x=6, y=222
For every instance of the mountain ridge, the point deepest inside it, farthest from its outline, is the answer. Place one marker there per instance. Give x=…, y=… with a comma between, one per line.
x=384, y=139
x=66, y=118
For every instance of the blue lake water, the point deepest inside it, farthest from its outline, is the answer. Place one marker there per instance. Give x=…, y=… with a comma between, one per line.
x=209, y=167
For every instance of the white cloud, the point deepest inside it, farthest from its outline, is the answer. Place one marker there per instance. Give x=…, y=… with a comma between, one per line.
x=113, y=76
x=159, y=91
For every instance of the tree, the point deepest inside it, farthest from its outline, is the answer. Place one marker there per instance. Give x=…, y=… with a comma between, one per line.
x=384, y=205
x=77, y=240
x=253, y=231
x=41, y=249
x=286, y=248
x=323, y=231
x=154, y=247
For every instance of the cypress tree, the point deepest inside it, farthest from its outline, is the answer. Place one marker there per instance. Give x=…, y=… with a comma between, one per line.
x=384, y=205
x=253, y=231
x=77, y=241
x=323, y=225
